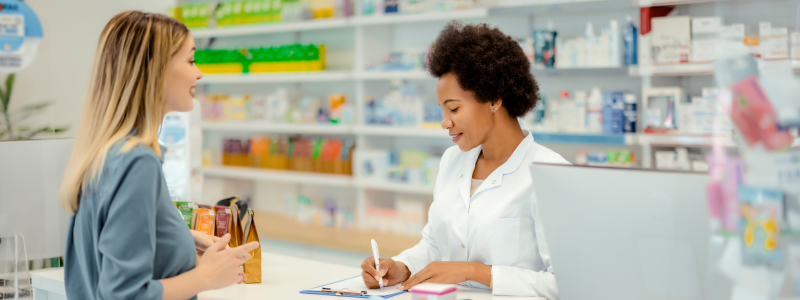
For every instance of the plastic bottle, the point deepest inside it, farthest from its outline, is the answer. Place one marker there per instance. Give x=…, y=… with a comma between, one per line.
x=630, y=114
x=594, y=111
x=615, y=56
x=630, y=44
x=580, y=112
x=590, y=41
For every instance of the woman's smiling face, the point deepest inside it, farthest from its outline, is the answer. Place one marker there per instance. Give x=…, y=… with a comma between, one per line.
x=467, y=120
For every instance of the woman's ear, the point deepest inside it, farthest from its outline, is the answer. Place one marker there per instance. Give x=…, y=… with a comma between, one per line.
x=496, y=105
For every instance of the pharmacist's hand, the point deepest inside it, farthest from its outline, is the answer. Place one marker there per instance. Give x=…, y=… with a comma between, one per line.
x=222, y=266
x=391, y=272
x=202, y=241
x=450, y=272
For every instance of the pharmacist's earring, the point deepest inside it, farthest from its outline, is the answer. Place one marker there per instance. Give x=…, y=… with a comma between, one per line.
x=492, y=110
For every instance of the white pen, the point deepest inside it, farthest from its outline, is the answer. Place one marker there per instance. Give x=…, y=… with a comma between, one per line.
x=377, y=262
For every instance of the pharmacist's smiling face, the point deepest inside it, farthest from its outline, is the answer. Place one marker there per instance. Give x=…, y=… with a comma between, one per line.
x=467, y=120
x=181, y=78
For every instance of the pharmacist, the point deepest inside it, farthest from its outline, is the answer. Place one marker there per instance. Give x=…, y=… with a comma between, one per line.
x=483, y=227
x=126, y=239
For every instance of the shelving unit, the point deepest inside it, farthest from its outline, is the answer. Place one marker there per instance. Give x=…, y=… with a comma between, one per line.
x=278, y=128
x=377, y=185
x=247, y=173
x=277, y=77
x=270, y=28
x=420, y=17
x=358, y=79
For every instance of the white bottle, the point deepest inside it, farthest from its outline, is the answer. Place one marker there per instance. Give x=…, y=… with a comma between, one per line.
x=567, y=112
x=553, y=119
x=594, y=111
x=580, y=111
x=615, y=44
x=590, y=42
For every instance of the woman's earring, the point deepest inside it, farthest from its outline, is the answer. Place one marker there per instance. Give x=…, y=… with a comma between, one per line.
x=492, y=110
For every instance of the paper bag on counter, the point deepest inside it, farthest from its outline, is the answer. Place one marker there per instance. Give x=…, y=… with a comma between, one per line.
x=252, y=268
x=244, y=231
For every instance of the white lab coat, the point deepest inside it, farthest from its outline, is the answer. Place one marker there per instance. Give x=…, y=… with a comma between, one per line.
x=499, y=225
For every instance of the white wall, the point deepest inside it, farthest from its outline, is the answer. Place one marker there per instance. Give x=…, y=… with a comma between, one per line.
x=62, y=66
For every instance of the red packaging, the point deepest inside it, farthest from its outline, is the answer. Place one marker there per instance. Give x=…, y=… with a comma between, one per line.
x=223, y=216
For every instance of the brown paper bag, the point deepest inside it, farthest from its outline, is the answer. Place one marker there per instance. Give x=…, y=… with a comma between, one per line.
x=237, y=228
x=252, y=267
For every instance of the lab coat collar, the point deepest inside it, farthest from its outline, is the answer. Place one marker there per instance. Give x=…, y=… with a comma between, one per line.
x=496, y=177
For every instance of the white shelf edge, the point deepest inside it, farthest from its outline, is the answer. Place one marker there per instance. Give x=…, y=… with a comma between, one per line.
x=400, y=131
x=379, y=185
x=276, y=77
x=248, y=173
x=252, y=29
x=420, y=17
x=682, y=140
x=277, y=128
x=388, y=75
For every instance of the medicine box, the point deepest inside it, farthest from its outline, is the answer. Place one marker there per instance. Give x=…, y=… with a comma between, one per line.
x=670, y=40
x=705, y=32
x=433, y=291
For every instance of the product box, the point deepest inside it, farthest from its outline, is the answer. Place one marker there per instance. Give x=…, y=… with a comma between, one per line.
x=705, y=32
x=433, y=291
x=759, y=222
x=774, y=41
x=795, y=45
x=734, y=32
x=670, y=39
x=660, y=107
x=613, y=112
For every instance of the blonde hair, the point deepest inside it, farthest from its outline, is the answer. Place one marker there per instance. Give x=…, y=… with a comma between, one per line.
x=125, y=91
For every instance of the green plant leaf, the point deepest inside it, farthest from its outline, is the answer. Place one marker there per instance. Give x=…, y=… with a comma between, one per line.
x=29, y=110
x=45, y=130
x=5, y=95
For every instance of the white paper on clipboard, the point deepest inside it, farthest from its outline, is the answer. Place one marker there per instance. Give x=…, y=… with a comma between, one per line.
x=357, y=284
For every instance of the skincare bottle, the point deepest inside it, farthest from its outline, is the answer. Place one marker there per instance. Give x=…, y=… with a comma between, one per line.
x=594, y=111
x=630, y=43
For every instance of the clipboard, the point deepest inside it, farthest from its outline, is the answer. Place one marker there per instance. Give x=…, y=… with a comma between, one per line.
x=347, y=292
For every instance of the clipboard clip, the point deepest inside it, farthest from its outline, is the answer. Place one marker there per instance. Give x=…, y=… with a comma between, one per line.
x=345, y=291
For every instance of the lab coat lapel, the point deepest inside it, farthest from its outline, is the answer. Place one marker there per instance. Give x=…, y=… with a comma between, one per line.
x=511, y=165
x=465, y=178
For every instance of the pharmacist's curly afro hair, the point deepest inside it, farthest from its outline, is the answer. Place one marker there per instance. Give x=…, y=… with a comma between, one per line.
x=487, y=63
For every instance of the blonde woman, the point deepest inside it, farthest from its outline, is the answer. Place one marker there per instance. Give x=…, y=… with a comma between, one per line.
x=125, y=239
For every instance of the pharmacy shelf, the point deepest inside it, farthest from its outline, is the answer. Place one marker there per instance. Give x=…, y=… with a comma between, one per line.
x=684, y=69
x=277, y=128
x=277, y=77
x=246, y=173
x=420, y=17
x=281, y=227
x=585, y=139
x=600, y=71
x=379, y=185
x=389, y=75
x=647, y=3
x=400, y=131
x=253, y=29
x=682, y=140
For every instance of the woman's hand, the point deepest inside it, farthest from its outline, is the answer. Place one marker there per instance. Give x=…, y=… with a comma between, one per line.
x=202, y=241
x=449, y=272
x=222, y=266
x=391, y=271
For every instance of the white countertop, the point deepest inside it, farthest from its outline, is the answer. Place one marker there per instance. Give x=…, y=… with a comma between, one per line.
x=283, y=277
